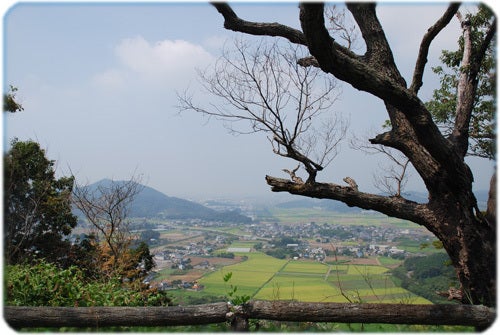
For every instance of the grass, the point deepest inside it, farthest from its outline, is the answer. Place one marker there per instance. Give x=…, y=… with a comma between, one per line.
x=305, y=267
x=364, y=270
x=248, y=276
x=300, y=288
x=389, y=261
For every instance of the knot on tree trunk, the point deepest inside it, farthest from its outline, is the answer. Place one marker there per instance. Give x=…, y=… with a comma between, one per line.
x=293, y=176
x=452, y=294
x=352, y=183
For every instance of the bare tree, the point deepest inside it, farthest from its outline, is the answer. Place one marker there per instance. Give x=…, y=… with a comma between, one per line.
x=392, y=176
x=106, y=207
x=340, y=26
x=266, y=88
x=452, y=212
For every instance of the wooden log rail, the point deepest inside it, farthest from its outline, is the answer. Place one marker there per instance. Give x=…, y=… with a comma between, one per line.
x=480, y=317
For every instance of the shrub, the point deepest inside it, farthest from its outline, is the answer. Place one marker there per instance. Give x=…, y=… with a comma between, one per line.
x=44, y=284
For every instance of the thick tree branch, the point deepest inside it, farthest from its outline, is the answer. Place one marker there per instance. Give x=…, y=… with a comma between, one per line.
x=233, y=22
x=451, y=213
x=378, y=52
x=392, y=206
x=353, y=70
x=432, y=32
x=386, y=84
x=490, y=34
x=468, y=83
x=388, y=87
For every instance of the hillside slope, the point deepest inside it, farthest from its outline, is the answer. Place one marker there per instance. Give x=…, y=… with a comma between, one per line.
x=151, y=203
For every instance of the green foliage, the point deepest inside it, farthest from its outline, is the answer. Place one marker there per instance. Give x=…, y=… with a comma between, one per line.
x=37, y=206
x=283, y=241
x=231, y=291
x=45, y=284
x=143, y=256
x=148, y=235
x=426, y=275
x=225, y=254
x=444, y=101
x=10, y=103
x=279, y=253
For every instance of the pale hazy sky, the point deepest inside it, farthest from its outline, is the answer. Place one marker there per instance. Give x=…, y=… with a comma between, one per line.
x=98, y=83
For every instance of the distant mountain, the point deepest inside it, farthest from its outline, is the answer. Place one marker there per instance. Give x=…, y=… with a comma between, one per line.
x=150, y=203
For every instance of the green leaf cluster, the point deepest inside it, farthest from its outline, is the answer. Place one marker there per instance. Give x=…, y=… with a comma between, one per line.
x=231, y=291
x=443, y=104
x=426, y=275
x=44, y=284
x=10, y=103
x=37, y=206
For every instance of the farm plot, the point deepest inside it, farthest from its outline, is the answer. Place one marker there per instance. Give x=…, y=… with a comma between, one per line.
x=248, y=276
x=267, y=278
x=302, y=281
x=305, y=267
x=315, y=282
x=301, y=287
x=364, y=283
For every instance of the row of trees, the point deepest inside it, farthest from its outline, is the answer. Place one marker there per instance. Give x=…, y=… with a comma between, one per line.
x=39, y=220
x=277, y=92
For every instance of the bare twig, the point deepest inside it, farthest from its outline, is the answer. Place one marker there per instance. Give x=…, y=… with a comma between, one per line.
x=266, y=88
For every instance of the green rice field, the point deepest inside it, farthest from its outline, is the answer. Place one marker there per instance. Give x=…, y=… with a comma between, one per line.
x=266, y=278
x=248, y=276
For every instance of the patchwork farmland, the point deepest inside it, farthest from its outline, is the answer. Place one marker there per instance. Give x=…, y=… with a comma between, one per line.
x=267, y=278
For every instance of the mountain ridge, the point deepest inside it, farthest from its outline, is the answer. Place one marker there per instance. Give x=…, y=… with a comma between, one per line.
x=151, y=203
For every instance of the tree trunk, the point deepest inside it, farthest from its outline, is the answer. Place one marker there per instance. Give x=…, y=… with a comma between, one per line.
x=95, y=317
x=449, y=215
x=369, y=313
x=454, y=216
x=469, y=240
x=452, y=213
x=26, y=317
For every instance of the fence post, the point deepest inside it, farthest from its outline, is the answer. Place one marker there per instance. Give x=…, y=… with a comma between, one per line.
x=238, y=318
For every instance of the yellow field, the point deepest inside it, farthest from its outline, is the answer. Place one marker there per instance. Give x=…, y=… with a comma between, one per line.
x=267, y=278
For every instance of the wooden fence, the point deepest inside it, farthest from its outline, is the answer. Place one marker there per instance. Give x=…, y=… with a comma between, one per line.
x=480, y=317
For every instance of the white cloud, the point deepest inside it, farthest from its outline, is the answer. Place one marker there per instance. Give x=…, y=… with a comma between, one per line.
x=162, y=64
x=112, y=79
x=163, y=58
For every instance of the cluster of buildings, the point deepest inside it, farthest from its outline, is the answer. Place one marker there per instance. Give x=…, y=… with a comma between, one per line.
x=347, y=240
x=179, y=256
x=315, y=241
x=326, y=233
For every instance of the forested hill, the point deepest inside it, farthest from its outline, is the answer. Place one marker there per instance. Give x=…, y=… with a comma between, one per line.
x=150, y=203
